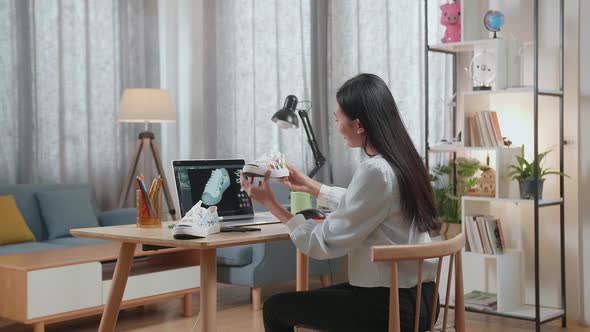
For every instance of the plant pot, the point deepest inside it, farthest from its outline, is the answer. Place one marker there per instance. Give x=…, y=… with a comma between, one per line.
x=527, y=188
x=449, y=230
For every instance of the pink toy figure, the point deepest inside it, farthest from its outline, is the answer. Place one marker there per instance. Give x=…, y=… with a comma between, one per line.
x=451, y=19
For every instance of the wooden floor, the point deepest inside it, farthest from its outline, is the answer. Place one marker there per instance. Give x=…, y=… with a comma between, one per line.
x=235, y=314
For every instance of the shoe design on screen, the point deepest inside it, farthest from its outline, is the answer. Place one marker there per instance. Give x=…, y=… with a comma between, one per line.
x=216, y=186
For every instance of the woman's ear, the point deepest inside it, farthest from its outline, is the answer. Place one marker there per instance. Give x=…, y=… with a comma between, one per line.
x=359, y=127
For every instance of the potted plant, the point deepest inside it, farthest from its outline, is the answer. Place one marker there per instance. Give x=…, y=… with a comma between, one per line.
x=448, y=187
x=524, y=173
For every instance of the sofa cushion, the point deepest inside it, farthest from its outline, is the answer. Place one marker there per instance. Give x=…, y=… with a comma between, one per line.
x=21, y=248
x=75, y=241
x=63, y=210
x=117, y=217
x=13, y=228
x=24, y=194
x=234, y=256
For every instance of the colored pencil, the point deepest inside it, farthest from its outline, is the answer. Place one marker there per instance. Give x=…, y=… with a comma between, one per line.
x=145, y=205
x=146, y=198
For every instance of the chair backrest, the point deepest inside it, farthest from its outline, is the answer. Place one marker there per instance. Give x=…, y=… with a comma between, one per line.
x=420, y=252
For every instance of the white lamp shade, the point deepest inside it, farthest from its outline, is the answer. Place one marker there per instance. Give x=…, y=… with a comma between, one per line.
x=146, y=105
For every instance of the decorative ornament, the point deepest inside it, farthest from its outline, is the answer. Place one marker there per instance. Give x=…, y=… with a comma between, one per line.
x=483, y=70
x=486, y=184
x=451, y=19
x=493, y=21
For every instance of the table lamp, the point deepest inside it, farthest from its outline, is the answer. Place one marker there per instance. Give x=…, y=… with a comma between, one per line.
x=286, y=118
x=147, y=106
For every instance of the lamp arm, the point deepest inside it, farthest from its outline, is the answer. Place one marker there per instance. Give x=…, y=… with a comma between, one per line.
x=320, y=160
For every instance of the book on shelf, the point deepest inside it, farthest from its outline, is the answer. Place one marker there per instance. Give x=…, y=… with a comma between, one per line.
x=485, y=237
x=484, y=234
x=489, y=128
x=484, y=129
x=481, y=300
x=474, y=132
x=476, y=244
x=491, y=224
x=496, y=127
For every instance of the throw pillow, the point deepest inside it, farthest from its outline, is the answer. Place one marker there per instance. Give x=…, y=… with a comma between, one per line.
x=13, y=228
x=63, y=210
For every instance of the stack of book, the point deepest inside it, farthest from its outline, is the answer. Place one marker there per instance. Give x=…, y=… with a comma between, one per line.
x=484, y=234
x=481, y=301
x=484, y=129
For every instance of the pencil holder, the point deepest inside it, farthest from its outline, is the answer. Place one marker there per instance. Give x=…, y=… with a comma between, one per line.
x=148, y=216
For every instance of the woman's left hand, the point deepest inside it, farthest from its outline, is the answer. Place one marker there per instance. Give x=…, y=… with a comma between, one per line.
x=259, y=190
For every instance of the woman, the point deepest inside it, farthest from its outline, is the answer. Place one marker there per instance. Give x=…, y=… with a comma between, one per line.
x=389, y=201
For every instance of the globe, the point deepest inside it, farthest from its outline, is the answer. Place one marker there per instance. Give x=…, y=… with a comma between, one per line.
x=493, y=21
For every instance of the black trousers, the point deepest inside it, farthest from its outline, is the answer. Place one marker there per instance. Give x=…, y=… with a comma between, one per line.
x=343, y=307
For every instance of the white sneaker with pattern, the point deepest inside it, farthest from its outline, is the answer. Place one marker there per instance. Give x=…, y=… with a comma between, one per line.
x=197, y=223
x=271, y=161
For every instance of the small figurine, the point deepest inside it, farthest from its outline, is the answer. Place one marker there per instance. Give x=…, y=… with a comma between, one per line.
x=451, y=19
x=483, y=70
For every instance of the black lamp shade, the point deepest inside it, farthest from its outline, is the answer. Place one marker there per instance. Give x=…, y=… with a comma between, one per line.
x=286, y=116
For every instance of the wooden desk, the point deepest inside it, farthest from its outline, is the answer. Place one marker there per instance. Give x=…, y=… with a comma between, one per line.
x=130, y=236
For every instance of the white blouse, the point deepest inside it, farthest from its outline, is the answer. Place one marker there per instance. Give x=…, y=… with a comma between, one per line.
x=367, y=213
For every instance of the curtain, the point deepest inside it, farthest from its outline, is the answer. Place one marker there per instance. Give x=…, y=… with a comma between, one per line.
x=256, y=54
x=63, y=67
x=386, y=38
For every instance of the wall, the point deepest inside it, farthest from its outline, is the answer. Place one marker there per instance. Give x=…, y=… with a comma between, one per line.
x=584, y=161
x=572, y=185
x=519, y=19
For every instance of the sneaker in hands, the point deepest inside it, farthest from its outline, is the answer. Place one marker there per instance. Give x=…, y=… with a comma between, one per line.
x=197, y=223
x=271, y=161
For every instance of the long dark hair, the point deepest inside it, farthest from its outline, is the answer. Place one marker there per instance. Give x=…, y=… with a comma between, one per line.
x=367, y=98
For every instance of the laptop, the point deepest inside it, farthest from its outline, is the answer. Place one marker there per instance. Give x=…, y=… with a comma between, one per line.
x=234, y=206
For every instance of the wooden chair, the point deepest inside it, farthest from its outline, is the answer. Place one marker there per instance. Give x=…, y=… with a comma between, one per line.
x=420, y=252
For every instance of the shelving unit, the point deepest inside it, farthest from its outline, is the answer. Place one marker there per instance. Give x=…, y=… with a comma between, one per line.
x=518, y=294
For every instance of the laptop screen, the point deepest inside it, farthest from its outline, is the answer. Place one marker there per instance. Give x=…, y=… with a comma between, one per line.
x=215, y=182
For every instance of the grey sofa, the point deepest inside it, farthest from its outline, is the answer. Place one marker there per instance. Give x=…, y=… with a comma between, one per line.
x=28, y=204
x=263, y=264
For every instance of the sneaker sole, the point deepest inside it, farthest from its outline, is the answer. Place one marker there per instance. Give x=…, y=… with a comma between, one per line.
x=185, y=233
x=252, y=171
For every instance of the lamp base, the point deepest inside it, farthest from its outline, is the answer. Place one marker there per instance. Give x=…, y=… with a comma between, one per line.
x=148, y=138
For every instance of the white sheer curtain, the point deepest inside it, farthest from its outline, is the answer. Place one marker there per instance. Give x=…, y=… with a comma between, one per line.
x=63, y=67
x=257, y=53
x=386, y=38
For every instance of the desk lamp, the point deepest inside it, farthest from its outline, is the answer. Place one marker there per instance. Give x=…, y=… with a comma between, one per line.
x=147, y=106
x=286, y=118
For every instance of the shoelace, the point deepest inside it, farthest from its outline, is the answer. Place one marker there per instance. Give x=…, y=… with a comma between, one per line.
x=273, y=158
x=214, y=175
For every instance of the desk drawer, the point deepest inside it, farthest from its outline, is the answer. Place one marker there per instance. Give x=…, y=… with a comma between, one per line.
x=62, y=289
x=156, y=283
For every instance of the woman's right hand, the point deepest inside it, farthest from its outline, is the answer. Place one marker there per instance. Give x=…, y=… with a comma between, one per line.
x=299, y=181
